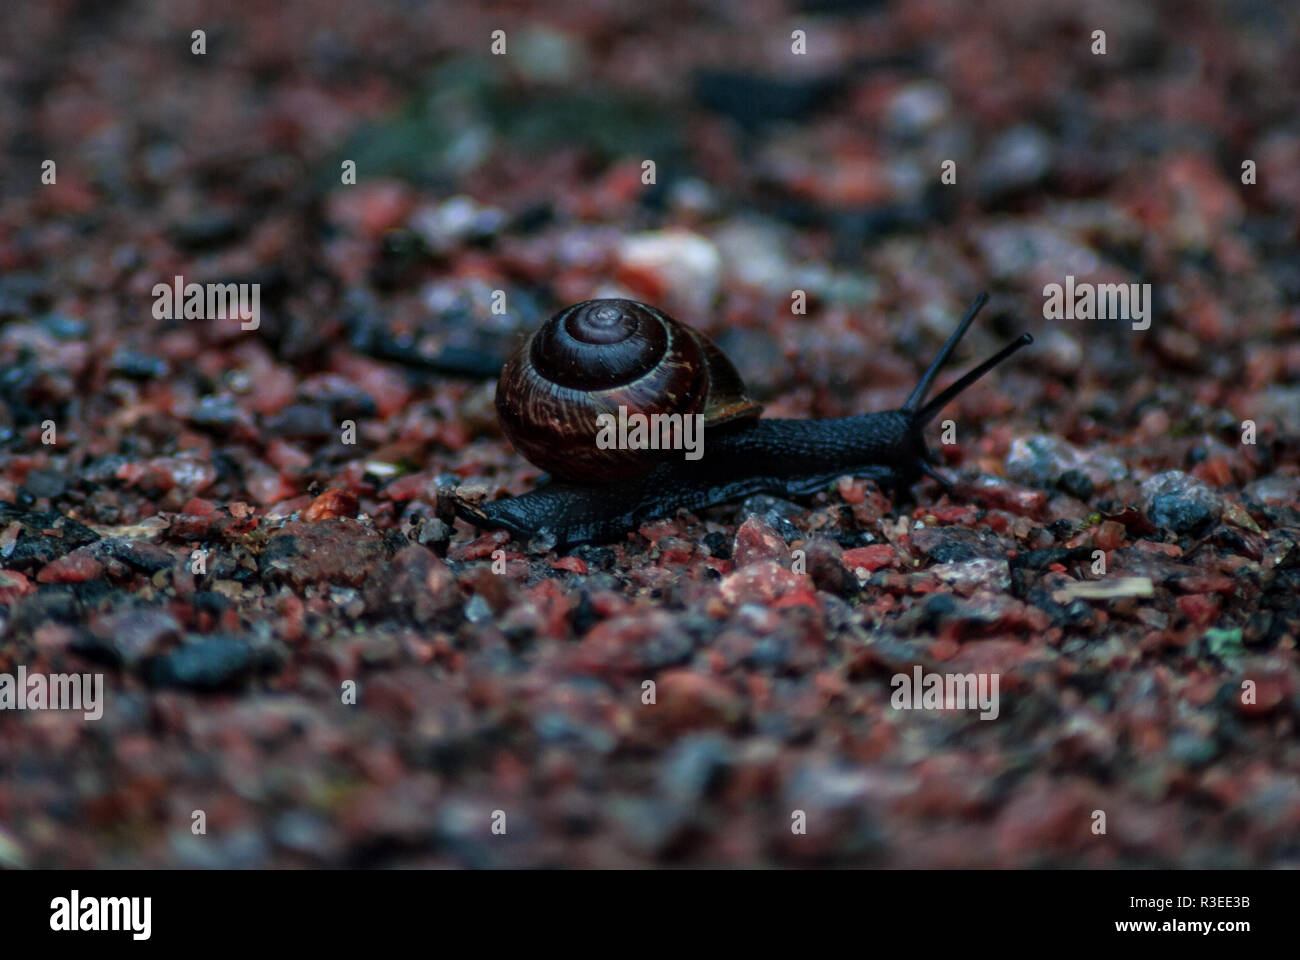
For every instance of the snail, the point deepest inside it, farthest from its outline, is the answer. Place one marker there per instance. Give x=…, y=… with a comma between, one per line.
x=593, y=358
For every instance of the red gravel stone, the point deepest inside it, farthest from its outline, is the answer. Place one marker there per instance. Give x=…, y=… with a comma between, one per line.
x=198, y=507
x=1199, y=608
x=411, y=487
x=623, y=644
x=76, y=567
x=14, y=585
x=686, y=700
x=1110, y=535
x=331, y=504
x=869, y=559
x=767, y=583
x=481, y=547
x=571, y=564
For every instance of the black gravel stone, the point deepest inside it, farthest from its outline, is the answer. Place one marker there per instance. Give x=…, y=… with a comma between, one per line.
x=45, y=483
x=1179, y=514
x=1076, y=483
x=209, y=664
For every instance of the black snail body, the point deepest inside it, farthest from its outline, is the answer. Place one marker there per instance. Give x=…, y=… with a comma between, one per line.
x=596, y=356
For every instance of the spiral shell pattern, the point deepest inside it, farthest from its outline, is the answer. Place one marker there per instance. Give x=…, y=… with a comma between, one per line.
x=597, y=356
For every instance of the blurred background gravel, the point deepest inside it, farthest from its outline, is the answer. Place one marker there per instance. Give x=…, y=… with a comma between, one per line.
x=522, y=692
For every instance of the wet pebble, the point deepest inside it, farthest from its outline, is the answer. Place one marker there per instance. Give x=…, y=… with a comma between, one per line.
x=956, y=544
x=417, y=585
x=686, y=264
x=456, y=221
x=1276, y=490
x=989, y=572
x=918, y=107
x=1076, y=483
x=694, y=766
x=206, y=664
x=1179, y=502
x=1017, y=159
x=302, y=420
x=1040, y=461
x=336, y=551
x=44, y=483
x=39, y=536
x=825, y=565
x=756, y=541
x=127, y=637
x=138, y=366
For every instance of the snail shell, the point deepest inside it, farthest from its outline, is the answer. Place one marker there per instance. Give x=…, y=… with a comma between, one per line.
x=596, y=356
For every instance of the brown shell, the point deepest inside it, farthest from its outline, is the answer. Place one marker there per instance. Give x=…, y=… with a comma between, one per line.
x=592, y=358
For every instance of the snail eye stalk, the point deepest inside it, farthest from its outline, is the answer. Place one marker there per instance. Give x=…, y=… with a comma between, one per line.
x=927, y=413
x=927, y=379
x=923, y=414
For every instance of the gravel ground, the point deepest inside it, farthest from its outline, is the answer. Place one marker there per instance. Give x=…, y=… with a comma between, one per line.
x=298, y=638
